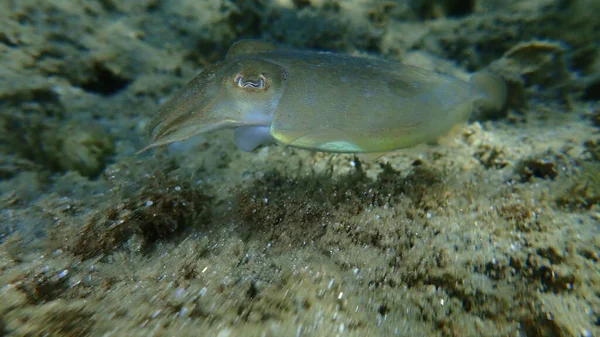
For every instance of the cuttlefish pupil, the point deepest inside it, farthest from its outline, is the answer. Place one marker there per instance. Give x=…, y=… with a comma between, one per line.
x=258, y=83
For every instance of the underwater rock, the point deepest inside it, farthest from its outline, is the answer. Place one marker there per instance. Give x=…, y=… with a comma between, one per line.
x=584, y=192
x=75, y=147
x=539, y=63
x=533, y=63
x=592, y=147
x=539, y=167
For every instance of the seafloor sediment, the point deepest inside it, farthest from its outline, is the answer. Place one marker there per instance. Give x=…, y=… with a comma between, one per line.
x=493, y=233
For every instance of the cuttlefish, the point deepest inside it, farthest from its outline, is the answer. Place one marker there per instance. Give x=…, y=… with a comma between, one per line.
x=321, y=101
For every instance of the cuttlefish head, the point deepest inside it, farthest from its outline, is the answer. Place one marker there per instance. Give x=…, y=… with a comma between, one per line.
x=240, y=93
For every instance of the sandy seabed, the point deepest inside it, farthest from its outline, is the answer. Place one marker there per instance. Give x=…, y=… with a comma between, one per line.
x=496, y=232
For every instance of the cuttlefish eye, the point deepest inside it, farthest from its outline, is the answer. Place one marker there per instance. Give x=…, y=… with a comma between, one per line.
x=251, y=81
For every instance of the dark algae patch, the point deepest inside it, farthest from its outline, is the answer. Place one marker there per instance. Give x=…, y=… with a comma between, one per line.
x=278, y=204
x=155, y=208
x=493, y=232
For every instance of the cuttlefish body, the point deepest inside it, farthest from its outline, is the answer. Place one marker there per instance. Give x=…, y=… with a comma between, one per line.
x=321, y=101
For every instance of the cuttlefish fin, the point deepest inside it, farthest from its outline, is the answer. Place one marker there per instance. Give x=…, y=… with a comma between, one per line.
x=452, y=134
x=332, y=140
x=371, y=156
x=243, y=47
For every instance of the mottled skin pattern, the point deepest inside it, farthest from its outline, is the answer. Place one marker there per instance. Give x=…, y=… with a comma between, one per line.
x=321, y=101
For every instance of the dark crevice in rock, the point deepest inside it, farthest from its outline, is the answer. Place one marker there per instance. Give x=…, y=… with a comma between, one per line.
x=103, y=81
x=592, y=90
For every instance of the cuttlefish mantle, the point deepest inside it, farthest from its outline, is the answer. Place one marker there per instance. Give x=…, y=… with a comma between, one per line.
x=321, y=101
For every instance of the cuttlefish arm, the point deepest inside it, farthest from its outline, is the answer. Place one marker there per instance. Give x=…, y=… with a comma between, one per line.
x=179, y=118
